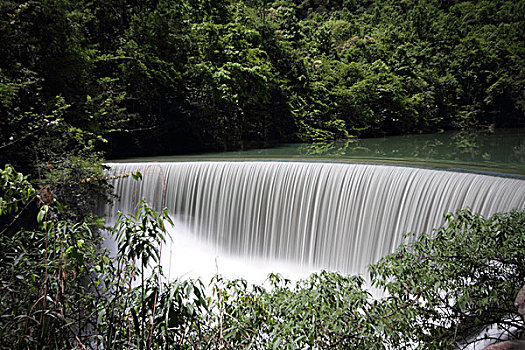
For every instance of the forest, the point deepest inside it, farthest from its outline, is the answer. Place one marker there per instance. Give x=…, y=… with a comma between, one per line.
x=166, y=77
x=84, y=81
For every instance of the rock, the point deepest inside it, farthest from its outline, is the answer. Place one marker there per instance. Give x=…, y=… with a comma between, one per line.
x=508, y=345
x=520, y=302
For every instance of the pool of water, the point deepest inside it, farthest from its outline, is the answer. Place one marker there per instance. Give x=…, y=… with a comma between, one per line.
x=499, y=151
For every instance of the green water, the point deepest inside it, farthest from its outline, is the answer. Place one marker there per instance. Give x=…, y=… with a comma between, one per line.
x=499, y=151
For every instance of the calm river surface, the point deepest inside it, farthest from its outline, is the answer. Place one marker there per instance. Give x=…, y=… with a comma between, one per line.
x=499, y=151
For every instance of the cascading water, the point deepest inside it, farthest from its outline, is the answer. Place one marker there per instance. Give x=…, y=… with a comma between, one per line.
x=338, y=216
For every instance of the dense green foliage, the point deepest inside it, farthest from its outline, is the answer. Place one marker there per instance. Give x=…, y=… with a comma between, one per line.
x=175, y=76
x=80, y=78
x=59, y=290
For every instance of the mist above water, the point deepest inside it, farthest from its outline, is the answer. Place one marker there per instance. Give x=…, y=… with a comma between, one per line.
x=184, y=255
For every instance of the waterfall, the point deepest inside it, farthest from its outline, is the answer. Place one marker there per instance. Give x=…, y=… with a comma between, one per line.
x=339, y=216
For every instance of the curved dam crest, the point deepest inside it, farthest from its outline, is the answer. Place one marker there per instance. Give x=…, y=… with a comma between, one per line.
x=337, y=216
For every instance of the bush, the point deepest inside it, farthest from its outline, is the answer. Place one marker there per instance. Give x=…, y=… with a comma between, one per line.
x=60, y=290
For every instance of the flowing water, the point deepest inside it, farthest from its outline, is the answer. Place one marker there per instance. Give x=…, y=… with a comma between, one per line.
x=302, y=207
x=301, y=216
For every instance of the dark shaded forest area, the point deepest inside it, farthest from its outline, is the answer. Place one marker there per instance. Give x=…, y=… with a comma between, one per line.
x=154, y=77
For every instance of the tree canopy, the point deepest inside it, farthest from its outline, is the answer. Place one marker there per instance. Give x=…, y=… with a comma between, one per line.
x=179, y=76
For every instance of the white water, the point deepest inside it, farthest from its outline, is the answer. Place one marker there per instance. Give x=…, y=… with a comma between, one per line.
x=185, y=255
x=298, y=217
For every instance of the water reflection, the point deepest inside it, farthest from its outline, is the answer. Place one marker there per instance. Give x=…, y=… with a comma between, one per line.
x=326, y=149
x=519, y=152
x=504, y=149
x=500, y=150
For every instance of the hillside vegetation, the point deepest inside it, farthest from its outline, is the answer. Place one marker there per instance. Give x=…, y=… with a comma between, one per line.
x=176, y=76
